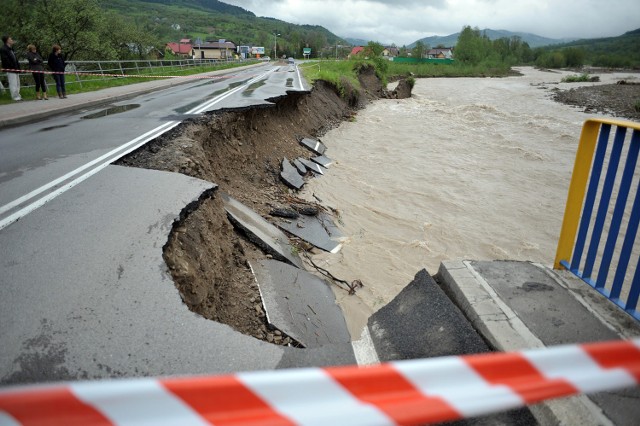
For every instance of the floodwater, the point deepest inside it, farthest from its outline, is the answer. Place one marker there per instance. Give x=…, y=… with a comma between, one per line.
x=468, y=168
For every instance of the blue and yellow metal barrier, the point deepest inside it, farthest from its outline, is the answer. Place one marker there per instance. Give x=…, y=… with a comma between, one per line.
x=589, y=193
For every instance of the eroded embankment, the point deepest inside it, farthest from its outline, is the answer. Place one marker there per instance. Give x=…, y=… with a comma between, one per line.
x=241, y=151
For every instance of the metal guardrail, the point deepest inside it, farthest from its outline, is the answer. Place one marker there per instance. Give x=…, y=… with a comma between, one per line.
x=605, y=145
x=106, y=70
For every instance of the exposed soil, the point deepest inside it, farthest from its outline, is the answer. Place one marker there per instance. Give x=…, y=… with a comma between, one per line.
x=618, y=100
x=241, y=151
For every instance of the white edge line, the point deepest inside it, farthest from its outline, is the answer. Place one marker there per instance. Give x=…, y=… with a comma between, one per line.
x=40, y=202
x=364, y=350
x=299, y=78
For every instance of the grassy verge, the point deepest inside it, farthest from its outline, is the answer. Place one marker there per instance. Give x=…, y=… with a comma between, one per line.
x=93, y=83
x=339, y=72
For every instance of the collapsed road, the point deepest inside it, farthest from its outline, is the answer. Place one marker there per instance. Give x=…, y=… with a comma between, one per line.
x=164, y=264
x=84, y=289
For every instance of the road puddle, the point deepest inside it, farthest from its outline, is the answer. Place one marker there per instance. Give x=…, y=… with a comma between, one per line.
x=111, y=111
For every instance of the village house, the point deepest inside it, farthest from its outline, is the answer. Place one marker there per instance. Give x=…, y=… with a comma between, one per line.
x=181, y=48
x=355, y=51
x=214, y=50
x=390, y=52
x=440, y=53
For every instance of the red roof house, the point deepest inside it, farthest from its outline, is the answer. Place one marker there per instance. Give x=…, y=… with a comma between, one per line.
x=356, y=50
x=180, y=48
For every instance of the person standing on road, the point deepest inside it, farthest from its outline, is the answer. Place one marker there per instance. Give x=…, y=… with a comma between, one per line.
x=57, y=64
x=10, y=62
x=36, y=65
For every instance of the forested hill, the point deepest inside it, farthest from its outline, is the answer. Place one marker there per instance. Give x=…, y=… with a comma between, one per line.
x=208, y=5
x=620, y=51
x=170, y=20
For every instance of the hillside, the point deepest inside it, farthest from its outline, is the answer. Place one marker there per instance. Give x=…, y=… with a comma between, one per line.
x=171, y=20
x=621, y=51
x=532, y=39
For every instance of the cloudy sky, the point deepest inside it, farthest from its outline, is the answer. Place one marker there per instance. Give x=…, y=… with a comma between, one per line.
x=405, y=21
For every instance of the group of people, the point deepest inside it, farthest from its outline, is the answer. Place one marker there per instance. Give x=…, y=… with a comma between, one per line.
x=10, y=64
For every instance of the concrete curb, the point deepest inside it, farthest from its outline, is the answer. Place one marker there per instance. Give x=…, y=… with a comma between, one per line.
x=104, y=97
x=505, y=331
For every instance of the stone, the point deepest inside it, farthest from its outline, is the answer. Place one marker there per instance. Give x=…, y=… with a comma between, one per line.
x=290, y=175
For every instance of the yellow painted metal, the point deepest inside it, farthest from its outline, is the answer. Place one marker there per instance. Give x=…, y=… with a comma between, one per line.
x=578, y=186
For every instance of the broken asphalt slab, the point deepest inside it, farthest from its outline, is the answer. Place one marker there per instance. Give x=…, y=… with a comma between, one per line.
x=314, y=167
x=259, y=231
x=300, y=167
x=290, y=175
x=322, y=160
x=319, y=230
x=300, y=304
x=422, y=322
x=314, y=145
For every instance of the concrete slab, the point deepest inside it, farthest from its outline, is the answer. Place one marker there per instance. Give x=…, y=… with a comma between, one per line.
x=318, y=230
x=520, y=305
x=290, y=175
x=300, y=304
x=314, y=167
x=300, y=167
x=322, y=160
x=260, y=232
x=314, y=145
x=548, y=309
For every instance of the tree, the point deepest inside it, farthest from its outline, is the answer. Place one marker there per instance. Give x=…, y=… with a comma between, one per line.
x=574, y=57
x=373, y=49
x=419, y=50
x=468, y=46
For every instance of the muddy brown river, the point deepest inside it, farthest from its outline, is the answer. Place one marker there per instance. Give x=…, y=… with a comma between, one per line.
x=468, y=168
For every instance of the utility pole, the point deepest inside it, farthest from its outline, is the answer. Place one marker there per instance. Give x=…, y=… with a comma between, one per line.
x=275, y=45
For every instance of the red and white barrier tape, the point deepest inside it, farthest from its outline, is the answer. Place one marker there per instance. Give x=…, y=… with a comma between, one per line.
x=404, y=392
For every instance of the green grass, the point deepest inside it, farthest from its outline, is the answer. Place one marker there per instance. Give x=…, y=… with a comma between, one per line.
x=452, y=70
x=339, y=73
x=93, y=83
x=636, y=106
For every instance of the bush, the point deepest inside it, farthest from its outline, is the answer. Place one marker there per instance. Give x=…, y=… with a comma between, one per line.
x=582, y=78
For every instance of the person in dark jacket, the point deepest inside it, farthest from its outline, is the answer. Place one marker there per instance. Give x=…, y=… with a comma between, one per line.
x=36, y=65
x=10, y=62
x=57, y=64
